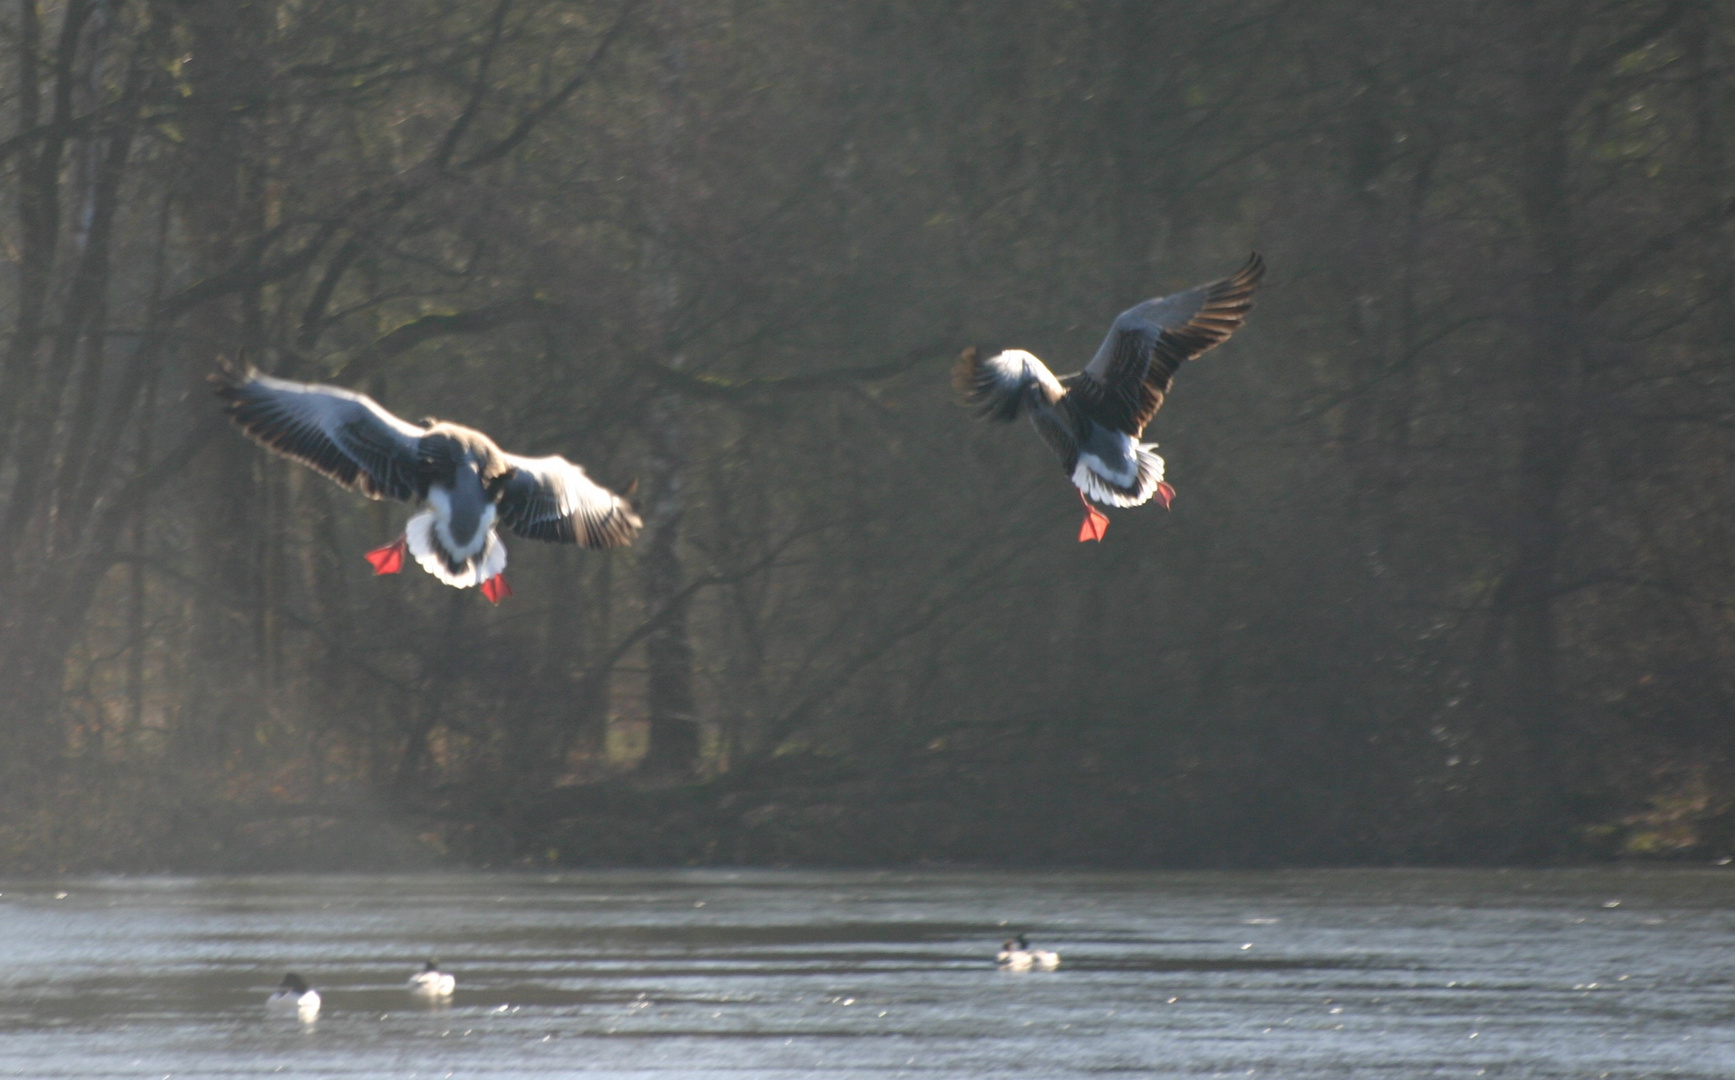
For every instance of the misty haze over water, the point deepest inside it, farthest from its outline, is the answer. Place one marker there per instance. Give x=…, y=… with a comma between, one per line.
x=1447, y=577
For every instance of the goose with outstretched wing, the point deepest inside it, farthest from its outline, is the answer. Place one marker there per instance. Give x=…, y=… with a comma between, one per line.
x=467, y=486
x=1092, y=419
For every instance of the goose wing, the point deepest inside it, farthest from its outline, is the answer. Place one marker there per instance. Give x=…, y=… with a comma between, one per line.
x=337, y=432
x=1125, y=382
x=998, y=387
x=550, y=498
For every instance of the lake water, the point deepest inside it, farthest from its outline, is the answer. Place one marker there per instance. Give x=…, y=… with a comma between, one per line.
x=796, y=974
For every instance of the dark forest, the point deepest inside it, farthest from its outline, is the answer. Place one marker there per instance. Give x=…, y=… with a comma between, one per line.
x=1449, y=577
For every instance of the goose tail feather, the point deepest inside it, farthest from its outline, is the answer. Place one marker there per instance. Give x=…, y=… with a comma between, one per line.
x=1113, y=486
x=458, y=573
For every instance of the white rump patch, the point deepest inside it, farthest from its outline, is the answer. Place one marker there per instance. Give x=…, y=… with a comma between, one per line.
x=420, y=532
x=1120, y=487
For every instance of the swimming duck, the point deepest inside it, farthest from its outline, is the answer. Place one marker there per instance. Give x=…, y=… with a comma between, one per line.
x=465, y=483
x=294, y=994
x=1092, y=419
x=1013, y=956
x=1016, y=955
x=432, y=983
x=1045, y=959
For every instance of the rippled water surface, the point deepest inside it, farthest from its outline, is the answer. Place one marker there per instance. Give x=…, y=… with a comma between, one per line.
x=791, y=974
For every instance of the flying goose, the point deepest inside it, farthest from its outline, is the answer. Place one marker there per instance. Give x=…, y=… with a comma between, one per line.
x=293, y=994
x=1092, y=419
x=466, y=483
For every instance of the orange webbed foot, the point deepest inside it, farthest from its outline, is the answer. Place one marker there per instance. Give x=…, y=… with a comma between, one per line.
x=388, y=559
x=1095, y=522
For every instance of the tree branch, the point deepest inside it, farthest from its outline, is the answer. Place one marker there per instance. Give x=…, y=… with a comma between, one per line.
x=728, y=387
x=474, y=321
x=527, y=123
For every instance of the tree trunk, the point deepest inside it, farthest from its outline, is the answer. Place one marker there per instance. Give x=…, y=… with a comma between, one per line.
x=219, y=210
x=674, y=736
x=674, y=745
x=1549, y=411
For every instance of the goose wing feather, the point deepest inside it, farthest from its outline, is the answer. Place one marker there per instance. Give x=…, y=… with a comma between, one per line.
x=550, y=498
x=998, y=387
x=339, y=433
x=1126, y=380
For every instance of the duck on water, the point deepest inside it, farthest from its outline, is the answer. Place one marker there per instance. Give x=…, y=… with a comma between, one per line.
x=294, y=995
x=432, y=984
x=1016, y=955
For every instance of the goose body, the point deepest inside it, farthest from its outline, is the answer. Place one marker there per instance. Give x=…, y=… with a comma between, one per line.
x=1093, y=419
x=467, y=487
x=432, y=984
x=294, y=996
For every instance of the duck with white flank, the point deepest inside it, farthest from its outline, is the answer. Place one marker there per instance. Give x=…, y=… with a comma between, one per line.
x=1016, y=955
x=432, y=984
x=293, y=995
x=1092, y=419
x=467, y=483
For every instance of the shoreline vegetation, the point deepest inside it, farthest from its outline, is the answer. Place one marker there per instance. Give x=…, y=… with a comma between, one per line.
x=809, y=811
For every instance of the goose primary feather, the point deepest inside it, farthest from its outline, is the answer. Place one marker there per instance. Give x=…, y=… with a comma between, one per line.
x=1093, y=419
x=466, y=485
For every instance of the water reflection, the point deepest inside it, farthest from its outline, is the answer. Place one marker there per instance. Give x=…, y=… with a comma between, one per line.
x=1555, y=974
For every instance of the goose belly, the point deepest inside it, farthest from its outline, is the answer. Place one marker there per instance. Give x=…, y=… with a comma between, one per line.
x=461, y=526
x=1114, y=456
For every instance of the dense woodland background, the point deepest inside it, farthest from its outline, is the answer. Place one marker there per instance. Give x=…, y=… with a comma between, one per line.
x=1450, y=576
